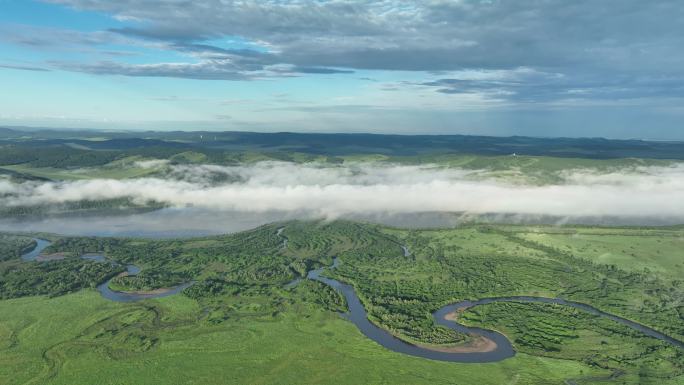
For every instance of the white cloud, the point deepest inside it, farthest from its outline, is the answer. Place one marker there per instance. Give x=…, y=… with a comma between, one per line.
x=151, y=163
x=366, y=189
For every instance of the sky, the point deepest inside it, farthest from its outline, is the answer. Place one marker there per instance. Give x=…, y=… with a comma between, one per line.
x=609, y=68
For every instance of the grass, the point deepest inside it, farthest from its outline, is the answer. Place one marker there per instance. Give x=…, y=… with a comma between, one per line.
x=629, y=249
x=238, y=324
x=119, y=169
x=564, y=332
x=464, y=240
x=83, y=341
x=189, y=157
x=536, y=170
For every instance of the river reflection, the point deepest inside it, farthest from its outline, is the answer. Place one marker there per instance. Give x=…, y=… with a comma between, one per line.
x=189, y=222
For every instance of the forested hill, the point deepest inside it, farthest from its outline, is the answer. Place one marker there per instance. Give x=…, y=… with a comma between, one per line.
x=346, y=144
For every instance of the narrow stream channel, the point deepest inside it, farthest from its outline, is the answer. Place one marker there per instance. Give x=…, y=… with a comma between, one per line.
x=41, y=244
x=103, y=288
x=121, y=296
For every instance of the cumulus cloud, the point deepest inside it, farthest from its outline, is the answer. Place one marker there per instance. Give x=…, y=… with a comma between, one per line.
x=213, y=69
x=594, y=45
x=333, y=191
x=418, y=35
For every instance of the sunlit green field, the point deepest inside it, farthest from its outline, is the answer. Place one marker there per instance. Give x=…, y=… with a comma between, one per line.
x=634, y=250
x=241, y=324
x=536, y=170
x=119, y=169
x=83, y=339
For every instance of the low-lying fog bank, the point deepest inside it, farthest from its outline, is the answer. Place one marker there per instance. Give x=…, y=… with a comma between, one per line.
x=191, y=222
x=225, y=199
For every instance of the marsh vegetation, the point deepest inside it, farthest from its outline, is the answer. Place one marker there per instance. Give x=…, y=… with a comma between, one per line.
x=241, y=283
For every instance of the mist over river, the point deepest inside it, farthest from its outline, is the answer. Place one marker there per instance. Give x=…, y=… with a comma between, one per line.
x=193, y=222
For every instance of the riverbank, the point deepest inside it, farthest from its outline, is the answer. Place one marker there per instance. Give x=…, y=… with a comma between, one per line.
x=104, y=288
x=486, y=346
x=478, y=344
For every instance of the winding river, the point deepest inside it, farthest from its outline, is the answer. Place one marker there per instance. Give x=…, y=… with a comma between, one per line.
x=501, y=350
x=498, y=346
x=103, y=288
x=41, y=244
x=123, y=296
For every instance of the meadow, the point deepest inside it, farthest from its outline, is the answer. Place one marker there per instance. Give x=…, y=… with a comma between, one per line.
x=242, y=322
x=82, y=339
x=629, y=249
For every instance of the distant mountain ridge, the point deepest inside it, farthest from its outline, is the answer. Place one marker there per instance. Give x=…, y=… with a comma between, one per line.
x=346, y=144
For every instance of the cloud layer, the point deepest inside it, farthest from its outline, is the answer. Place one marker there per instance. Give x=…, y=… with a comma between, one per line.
x=333, y=191
x=609, y=68
x=609, y=49
x=414, y=35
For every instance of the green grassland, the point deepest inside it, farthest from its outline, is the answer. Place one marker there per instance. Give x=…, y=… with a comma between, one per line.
x=537, y=170
x=83, y=339
x=629, y=249
x=68, y=163
x=241, y=323
x=568, y=333
x=126, y=167
x=521, y=267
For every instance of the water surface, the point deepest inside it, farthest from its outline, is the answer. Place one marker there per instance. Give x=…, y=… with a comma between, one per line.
x=41, y=244
x=193, y=222
x=504, y=348
x=103, y=288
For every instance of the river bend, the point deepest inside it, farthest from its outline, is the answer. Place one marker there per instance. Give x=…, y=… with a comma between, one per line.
x=103, y=288
x=504, y=349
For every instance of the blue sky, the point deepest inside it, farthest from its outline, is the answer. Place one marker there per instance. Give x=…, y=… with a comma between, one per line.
x=612, y=68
